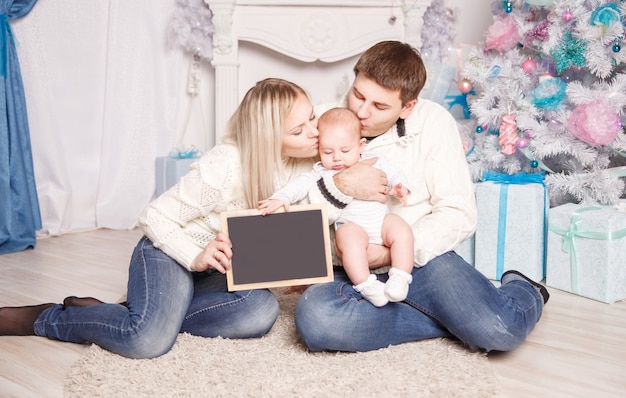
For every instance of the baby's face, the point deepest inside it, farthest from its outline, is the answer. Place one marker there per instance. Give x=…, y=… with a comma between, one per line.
x=339, y=147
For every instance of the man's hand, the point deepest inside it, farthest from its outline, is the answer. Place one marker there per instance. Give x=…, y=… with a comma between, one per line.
x=362, y=181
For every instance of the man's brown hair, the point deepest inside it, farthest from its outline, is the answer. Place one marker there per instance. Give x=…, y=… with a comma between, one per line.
x=396, y=66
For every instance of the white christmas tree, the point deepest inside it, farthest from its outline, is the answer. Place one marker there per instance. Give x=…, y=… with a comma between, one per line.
x=550, y=85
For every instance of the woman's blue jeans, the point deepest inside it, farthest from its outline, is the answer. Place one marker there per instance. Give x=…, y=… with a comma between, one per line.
x=447, y=298
x=163, y=300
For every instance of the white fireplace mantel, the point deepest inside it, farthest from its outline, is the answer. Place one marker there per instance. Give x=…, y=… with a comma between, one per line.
x=305, y=30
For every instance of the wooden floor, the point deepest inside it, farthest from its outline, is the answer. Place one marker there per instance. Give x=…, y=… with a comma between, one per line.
x=577, y=350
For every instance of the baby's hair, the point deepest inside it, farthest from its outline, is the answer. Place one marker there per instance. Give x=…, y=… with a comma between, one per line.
x=340, y=117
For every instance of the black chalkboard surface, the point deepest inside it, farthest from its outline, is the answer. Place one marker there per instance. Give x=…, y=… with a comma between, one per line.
x=280, y=249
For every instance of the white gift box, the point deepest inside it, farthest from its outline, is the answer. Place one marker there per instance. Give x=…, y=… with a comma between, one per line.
x=587, y=251
x=466, y=249
x=169, y=170
x=511, y=228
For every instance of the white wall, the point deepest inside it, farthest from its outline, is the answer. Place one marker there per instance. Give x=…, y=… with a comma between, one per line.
x=472, y=18
x=326, y=83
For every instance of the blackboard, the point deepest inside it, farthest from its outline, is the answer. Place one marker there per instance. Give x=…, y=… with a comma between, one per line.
x=279, y=249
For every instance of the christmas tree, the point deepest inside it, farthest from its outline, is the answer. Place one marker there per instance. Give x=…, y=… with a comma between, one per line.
x=550, y=84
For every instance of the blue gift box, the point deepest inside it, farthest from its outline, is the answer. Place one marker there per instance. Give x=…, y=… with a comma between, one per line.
x=466, y=250
x=169, y=170
x=587, y=251
x=511, y=228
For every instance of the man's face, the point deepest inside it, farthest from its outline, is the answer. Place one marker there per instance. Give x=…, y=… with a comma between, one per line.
x=377, y=107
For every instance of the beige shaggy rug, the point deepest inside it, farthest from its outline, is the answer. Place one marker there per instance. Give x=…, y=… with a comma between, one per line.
x=279, y=365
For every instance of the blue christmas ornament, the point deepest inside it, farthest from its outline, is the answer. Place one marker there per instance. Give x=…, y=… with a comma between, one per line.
x=606, y=15
x=549, y=93
x=570, y=52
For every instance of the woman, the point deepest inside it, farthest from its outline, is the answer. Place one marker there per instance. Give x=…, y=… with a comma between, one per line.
x=176, y=276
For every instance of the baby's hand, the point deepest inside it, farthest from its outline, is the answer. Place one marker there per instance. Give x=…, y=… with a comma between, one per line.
x=268, y=206
x=400, y=192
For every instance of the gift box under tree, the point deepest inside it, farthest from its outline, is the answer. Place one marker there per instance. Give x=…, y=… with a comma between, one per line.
x=466, y=250
x=511, y=228
x=587, y=251
x=169, y=170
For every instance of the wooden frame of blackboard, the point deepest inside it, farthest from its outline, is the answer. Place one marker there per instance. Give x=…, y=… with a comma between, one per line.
x=279, y=249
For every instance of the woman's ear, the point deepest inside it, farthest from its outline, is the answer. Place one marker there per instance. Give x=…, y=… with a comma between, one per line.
x=407, y=108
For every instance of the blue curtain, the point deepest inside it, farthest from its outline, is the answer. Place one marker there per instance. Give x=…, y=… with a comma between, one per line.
x=19, y=207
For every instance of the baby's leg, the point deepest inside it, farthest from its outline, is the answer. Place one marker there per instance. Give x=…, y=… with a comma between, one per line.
x=398, y=236
x=351, y=242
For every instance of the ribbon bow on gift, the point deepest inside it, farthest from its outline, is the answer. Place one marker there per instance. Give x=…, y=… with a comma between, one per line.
x=574, y=231
x=185, y=153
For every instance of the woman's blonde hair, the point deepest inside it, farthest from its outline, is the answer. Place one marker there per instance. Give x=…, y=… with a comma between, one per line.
x=256, y=128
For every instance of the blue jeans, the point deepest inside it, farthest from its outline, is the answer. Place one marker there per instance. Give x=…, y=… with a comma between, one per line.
x=447, y=298
x=163, y=300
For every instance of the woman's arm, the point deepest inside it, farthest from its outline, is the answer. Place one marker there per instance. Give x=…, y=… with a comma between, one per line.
x=186, y=218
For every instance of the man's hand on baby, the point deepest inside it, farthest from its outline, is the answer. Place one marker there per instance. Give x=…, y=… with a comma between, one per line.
x=268, y=206
x=362, y=181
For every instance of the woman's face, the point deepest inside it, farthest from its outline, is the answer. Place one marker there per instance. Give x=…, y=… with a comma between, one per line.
x=377, y=107
x=300, y=140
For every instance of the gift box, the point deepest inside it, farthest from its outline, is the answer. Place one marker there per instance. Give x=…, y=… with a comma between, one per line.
x=511, y=228
x=587, y=251
x=466, y=249
x=169, y=170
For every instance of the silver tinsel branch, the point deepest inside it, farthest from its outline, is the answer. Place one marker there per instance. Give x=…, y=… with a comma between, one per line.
x=191, y=28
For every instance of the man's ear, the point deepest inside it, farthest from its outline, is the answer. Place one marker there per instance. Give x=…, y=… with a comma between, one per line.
x=407, y=108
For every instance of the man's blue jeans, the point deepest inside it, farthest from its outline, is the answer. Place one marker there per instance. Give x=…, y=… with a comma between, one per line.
x=164, y=299
x=447, y=297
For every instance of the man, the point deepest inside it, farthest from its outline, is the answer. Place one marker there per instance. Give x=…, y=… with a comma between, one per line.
x=447, y=297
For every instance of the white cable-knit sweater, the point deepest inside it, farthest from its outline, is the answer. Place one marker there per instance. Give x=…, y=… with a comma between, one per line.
x=184, y=219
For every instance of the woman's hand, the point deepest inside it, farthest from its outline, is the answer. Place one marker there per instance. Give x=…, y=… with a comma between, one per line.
x=362, y=181
x=217, y=254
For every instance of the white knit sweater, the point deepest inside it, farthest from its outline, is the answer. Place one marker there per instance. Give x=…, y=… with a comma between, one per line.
x=184, y=219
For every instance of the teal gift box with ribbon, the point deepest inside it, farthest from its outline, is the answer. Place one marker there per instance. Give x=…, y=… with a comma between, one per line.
x=511, y=228
x=587, y=251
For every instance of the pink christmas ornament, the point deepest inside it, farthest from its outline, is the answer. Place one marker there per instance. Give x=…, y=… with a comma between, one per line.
x=567, y=16
x=595, y=123
x=521, y=142
x=465, y=85
x=502, y=35
x=529, y=66
x=508, y=134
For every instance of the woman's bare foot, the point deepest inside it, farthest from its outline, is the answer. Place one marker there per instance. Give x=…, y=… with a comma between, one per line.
x=74, y=301
x=19, y=321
